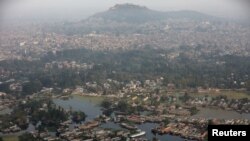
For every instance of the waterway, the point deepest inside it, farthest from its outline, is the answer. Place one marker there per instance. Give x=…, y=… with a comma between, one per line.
x=87, y=104
x=90, y=105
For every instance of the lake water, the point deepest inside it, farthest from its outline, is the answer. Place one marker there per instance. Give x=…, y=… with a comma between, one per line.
x=148, y=126
x=90, y=105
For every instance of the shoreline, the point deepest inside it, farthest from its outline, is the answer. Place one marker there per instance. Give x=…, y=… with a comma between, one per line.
x=95, y=95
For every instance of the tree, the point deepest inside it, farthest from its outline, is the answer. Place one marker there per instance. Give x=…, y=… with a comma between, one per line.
x=166, y=121
x=185, y=97
x=155, y=139
x=193, y=110
x=248, y=85
x=157, y=91
x=78, y=116
x=26, y=137
x=4, y=88
x=106, y=104
x=32, y=87
x=123, y=106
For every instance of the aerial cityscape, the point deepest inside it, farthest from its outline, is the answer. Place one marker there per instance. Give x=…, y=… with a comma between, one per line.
x=127, y=73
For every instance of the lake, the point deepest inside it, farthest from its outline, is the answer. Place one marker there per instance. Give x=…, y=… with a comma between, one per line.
x=90, y=105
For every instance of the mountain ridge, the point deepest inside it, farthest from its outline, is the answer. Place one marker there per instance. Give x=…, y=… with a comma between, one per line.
x=139, y=14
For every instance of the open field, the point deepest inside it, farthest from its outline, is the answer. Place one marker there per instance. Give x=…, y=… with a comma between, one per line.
x=10, y=138
x=231, y=94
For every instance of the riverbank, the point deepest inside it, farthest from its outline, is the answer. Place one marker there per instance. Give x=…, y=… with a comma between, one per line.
x=95, y=95
x=91, y=106
x=145, y=122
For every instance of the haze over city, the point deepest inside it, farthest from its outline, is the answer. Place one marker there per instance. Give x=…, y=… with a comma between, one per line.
x=72, y=10
x=124, y=70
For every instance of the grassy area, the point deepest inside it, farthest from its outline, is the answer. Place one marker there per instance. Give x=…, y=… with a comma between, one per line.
x=231, y=94
x=10, y=138
x=94, y=99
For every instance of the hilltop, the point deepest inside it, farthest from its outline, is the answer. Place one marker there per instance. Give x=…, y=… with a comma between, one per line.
x=131, y=13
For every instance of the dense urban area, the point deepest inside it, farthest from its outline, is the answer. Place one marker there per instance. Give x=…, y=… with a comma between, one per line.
x=161, y=72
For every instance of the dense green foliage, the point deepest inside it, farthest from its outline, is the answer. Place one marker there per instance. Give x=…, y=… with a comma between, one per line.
x=17, y=117
x=193, y=110
x=248, y=85
x=26, y=137
x=106, y=104
x=43, y=112
x=184, y=71
x=78, y=116
x=123, y=106
x=166, y=121
x=185, y=97
x=32, y=87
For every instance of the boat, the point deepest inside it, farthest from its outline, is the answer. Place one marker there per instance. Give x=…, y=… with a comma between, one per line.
x=139, y=134
x=89, y=125
x=127, y=126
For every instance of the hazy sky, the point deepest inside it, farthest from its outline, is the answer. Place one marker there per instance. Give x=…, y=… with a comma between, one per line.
x=80, y=9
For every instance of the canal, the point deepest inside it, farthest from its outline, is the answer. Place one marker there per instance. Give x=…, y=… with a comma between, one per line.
x=90, y=105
